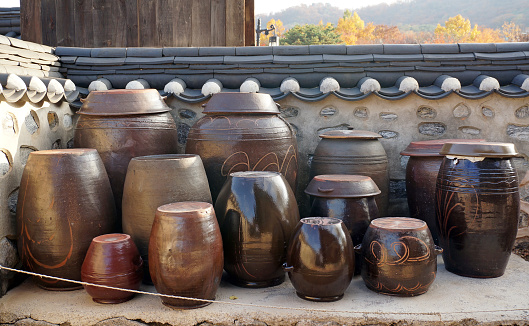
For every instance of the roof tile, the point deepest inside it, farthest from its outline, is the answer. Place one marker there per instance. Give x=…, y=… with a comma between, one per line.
x=72, y=51
x=298, y=58
x=108, y=53
x=291, y=50
x=439, y=48
x=248, y=59
x=477, y=47
x=365, y=49
x=180, y=52
x=328, y=49
x=144, y=52
x=402, y=48
x=213, y=51
x=253, y=50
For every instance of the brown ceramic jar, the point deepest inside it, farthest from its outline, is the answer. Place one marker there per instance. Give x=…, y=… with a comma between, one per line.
x=477, y=207
x=112, y=260
x=185, y=252
x=65, y=200
x=122, y=124
x=320, y=259
x=156, y=180
x=257, y=213
x=243, y=132
x=354, y=152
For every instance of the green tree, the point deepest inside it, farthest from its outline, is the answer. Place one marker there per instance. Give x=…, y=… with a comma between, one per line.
x=310, y=35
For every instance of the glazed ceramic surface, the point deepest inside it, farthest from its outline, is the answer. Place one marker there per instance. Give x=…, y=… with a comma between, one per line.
x=320, y=259
x=112, y=260
x=156, y=180
x=243, y=132
x=185, y=253
x=257, y=213
x=65, y=200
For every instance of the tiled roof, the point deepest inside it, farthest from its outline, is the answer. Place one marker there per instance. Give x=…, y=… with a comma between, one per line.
x=10, y=22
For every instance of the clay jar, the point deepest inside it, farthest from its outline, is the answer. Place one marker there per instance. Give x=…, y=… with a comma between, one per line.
x=354, y=152
x=243, y=132
x=122, y=124
x=156, y=180
x=399, y=256
x=421, y=175
x=112, y=260
x=320, y=259
x=185, y=252
x=477, y=207
x=257, y=213
x=65, y=200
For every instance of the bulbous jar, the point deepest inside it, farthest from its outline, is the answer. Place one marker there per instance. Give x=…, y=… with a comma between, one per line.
x=185, y=252
x=65, y=200
x=399, y=256
x=354, y=152
x=320, y=259
x=112, y=260
x=156, y=180
x=257, y=213
x=122, y=124
x=477, y=207
x=243, y=132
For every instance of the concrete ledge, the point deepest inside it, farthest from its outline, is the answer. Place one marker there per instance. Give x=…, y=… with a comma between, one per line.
x=451, y=299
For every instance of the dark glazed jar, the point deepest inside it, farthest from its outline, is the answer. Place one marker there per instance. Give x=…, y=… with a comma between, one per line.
x=349, y=198
x=421, y=174
x=354, y=152
x=243, y=132
x=257, y=213
x=399, y=256
x=477, y=207
x=320, y=259
x=112, y=260
x=65, y=200
x=156, y=180
x=185, y=252
x=122, y=124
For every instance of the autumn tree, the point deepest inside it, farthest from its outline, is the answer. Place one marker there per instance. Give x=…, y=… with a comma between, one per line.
x=311, y=34
x=387, y=34
x=353, y=30
x=280, y=30
x=511, y=32
x=456, y=29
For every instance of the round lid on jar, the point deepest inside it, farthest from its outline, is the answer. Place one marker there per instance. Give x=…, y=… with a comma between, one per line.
x=342, y=186
x=431, y=147
x=398, y=223
x=350, y=134
x=117, y=102
x=232, y=102
x=479, y=149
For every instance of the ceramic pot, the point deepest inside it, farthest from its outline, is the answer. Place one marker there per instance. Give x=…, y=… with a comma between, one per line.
x=320, y=259
x=421, y=175
x=477, y=207
x=257, y=213
x=399, y=256
x=354, y=152
x=243, y=132
x=112, y=260
x=156, y=180
x=122, y=124
x=185, y=252
x=349, y=198
x=65, y=200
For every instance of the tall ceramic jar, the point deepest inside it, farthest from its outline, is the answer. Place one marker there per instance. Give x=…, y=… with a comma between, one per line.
x=243, y=132
x=257, y=213
x=421, y=174
x=354, y=152
x=64, y=202
x=122, y=124
x=477, y=207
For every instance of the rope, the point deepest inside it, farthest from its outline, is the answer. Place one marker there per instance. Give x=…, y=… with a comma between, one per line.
x=436, y=314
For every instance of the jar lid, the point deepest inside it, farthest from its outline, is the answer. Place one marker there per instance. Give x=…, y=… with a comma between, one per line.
x=342, y=186
x=116, y=102
x=233, y=102
x=431, y=147
x=350, y=134
x=479, y=149
x=398, y=223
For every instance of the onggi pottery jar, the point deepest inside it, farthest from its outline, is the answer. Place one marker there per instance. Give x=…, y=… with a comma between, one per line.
x=354, y=152
x=185, y=253
x=243, y=132
x=257, y=213
x=349, y=198
x=477, y=206
x=65, y=200
x=122, y=124
x=421, y=174
x=112, y=260
x=399, y=256
x=320, y=259
x=156, y=180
